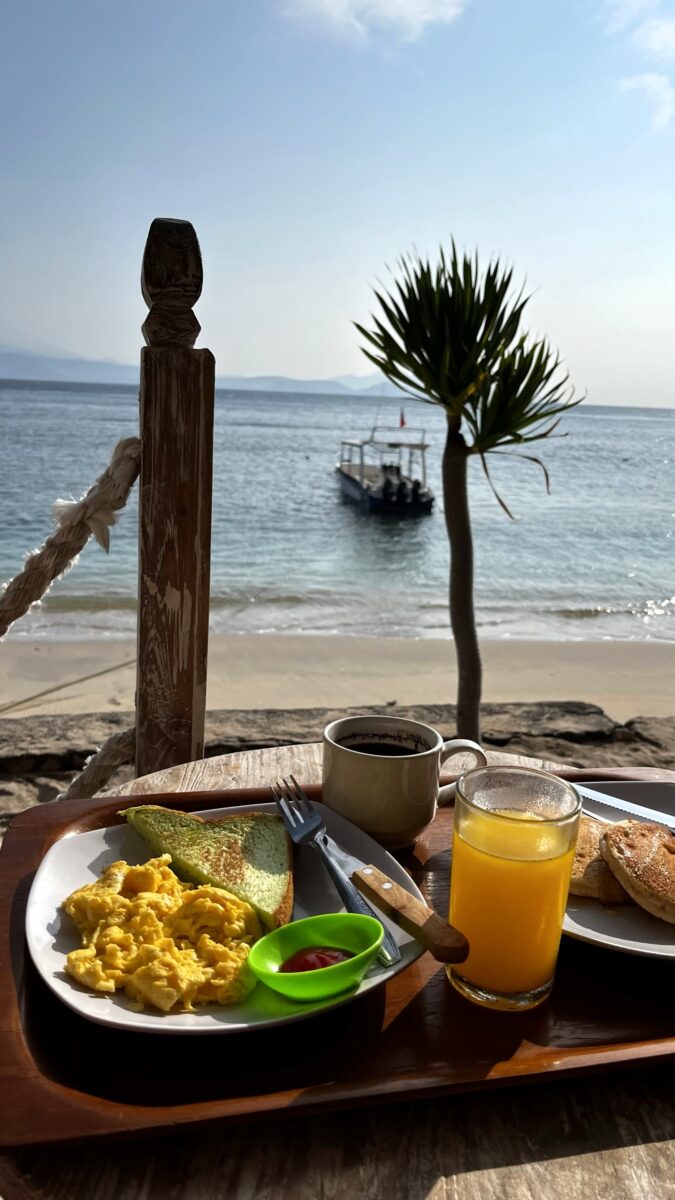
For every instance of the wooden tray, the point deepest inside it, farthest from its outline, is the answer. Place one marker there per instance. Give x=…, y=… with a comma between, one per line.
x=64, y=1078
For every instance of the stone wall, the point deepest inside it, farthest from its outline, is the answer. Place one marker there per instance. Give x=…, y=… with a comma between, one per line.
x=39, y=755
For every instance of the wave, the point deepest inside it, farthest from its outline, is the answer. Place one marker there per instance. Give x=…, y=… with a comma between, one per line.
x=89, y=603
x=329, y=599
x=126, y=602
x=645, y=609
x=586, y=614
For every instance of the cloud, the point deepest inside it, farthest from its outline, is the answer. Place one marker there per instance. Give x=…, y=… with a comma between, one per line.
x=622, y=13
x=657, y=37
x=356, y=18
x=659, y=92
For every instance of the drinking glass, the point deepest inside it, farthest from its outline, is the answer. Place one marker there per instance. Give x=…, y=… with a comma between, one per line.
x=513, y=848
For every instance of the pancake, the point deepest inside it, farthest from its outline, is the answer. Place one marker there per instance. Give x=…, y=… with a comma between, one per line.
x=590, y=874
x=641, y=854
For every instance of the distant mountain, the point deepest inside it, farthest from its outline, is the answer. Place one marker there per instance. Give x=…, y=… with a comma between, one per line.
x=361, y=383
x=23, y=365
x=280, y=383
x=385, y=388
x=328, y=387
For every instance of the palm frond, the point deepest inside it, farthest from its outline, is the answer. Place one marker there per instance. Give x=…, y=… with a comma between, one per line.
x=449, y=335
x=523, y=400
x=440, y=324
x=495, y=493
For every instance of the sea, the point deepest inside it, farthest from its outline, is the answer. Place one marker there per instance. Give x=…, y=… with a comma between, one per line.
x=595, y=559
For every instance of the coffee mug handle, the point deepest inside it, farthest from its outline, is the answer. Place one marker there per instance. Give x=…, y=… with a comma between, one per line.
x=456, y=746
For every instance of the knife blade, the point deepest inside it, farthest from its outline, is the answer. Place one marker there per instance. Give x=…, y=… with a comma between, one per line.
x=389, y=952
x=626, y=808
x=348, y=862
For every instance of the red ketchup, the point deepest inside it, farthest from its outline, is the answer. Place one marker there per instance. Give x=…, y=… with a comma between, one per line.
x=314, y=957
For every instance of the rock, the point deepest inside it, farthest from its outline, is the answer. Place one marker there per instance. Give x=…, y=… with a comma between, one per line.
x=55, y=743
x=570, y=720
x=600, y=754
x=657, y=731
x=17, y=794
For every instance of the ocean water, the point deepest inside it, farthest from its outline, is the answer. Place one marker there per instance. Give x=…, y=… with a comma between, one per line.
x=595, y=559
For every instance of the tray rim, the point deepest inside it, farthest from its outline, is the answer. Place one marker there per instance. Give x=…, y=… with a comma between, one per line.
x=66, y=1115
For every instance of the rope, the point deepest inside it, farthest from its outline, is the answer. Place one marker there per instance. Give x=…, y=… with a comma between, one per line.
x=76, y=521
x=118, y=750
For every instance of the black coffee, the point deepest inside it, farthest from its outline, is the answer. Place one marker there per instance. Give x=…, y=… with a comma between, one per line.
x=389, y=749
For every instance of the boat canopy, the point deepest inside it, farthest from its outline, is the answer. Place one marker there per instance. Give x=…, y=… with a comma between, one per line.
x=385, y=439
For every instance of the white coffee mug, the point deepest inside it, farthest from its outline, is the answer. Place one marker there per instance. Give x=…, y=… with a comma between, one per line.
x=383, y=774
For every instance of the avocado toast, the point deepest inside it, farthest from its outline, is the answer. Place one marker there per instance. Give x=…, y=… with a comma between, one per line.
x=248, y=854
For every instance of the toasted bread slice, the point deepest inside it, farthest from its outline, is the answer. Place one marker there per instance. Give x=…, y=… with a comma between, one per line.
x=642, y=856
x=248, y=854
x=590, y=874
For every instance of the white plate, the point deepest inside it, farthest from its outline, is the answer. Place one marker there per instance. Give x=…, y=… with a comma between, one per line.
x=624, y=927
x=80, y=858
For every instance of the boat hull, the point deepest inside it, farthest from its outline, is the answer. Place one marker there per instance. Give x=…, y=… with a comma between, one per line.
x=352, y=490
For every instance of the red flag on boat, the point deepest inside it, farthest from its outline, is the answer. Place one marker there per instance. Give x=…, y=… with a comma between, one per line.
x=401, y=423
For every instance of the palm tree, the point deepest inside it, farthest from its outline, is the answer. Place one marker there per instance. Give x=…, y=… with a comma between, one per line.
x=450, y=336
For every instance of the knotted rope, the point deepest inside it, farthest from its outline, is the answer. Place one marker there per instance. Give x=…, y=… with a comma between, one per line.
x=76, y=521
x=118, y=750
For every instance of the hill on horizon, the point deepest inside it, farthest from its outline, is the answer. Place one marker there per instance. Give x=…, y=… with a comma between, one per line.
x=40, y=368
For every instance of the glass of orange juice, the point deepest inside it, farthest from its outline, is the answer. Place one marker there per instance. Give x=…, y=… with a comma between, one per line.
x=513, y=848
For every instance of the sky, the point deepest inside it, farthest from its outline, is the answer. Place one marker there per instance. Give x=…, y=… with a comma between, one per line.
x=312, y=142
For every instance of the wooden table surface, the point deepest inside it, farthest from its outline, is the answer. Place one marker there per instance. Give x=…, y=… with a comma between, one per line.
x=610, y=1135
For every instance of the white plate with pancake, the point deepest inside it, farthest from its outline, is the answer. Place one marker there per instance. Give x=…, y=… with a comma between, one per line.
x=625, y=927
x=79, y=859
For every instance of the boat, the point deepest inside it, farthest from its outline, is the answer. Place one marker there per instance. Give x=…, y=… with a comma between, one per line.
x=386, y=472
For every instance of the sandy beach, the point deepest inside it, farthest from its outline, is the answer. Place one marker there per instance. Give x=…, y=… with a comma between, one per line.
x=283, y=671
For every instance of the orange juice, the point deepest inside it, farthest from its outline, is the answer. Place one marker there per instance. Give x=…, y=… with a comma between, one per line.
x=510, y=877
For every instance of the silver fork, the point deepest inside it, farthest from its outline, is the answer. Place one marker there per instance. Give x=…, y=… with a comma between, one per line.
x=306, y=827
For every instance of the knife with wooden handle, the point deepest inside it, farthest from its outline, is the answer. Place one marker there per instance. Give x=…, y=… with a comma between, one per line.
x=445, y=942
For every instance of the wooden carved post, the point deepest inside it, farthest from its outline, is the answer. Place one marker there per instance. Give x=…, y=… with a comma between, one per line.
x=176, y=418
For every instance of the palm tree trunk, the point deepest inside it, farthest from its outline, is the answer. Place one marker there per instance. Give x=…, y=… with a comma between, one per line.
x=462, y=618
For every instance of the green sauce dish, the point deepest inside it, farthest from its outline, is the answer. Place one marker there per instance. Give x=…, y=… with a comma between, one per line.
x=353, y=933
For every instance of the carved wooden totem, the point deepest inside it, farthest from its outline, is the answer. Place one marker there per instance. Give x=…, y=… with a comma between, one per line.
x=176, y=420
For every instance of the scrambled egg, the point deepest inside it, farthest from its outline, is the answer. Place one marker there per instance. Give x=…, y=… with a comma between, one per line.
x=167, y=943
